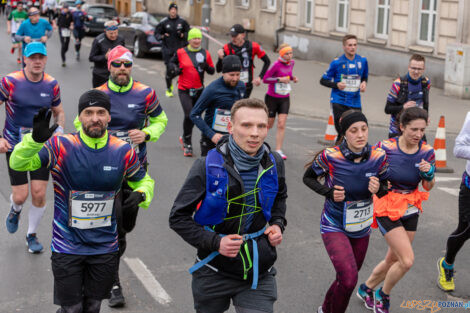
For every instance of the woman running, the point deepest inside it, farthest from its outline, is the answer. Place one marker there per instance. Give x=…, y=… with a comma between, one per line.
x=353, y=171
x=278, y=96
x=457, y=239
x=411, y=162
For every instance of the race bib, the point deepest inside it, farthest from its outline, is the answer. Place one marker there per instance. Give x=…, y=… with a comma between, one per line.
x=65, y=32
x=24, y=131
x=357, y=215
x=221, y=119
x=90, y=209
x=124, y=135
x=282, y=89
x=244, y=76
x=411, y=210
x=353, y=82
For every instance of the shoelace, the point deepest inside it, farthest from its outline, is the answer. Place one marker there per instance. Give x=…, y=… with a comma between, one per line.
x=449, y=274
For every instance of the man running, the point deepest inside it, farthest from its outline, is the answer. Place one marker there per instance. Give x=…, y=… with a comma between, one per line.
x=137, y=118
x=14, y=20
x=172, y=30
x=88, y=168
x=24, y=93
x=408, y=91
x=191, y=61
x=34, y=29
x=246, y=50
x=216, y=101
x=235, y=231
x=347, y=76
x=79, y=17
x=49, y=8
x=100, y=49
x=65, y=24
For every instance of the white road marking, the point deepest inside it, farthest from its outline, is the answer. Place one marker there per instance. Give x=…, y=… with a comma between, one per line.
x=148, y=280
x=446, y=179
x=452, y=191
x=151, y=72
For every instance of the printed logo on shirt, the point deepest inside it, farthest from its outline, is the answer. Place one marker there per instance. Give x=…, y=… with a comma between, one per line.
x=359, y=65
x=352, y=65
x=371, y=174
x=344, y=66
x=89, y=196
x=131, y=105
x=44, y=95
x=416, y=164
x=109, y=168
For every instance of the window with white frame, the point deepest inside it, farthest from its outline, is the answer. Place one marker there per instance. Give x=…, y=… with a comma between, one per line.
x=222, y=2
x=342, y=15
x=270, y=5
x=245, y=3
x=427, y=22
x=381, y=19
x=309, y=13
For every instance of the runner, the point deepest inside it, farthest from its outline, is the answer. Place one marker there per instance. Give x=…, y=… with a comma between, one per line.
x=353, y=172
x=100, y=48
x=49, y=8
x=457, y=239
x=33, y=29
x=347, y=76
x=278, y=96
x=216, y=101
x=233, y=223
x=246, y=50
x=3, y=5
x=24, y=93
x=192, y=61
x=65, y=24
x=408, y=91
x=136, y=117
x=411, y=161
x=84, y=243
x=14, y=20
x=79, y=17
x=172, y=31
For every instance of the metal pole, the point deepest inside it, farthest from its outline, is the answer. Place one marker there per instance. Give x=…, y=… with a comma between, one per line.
x=206, y=20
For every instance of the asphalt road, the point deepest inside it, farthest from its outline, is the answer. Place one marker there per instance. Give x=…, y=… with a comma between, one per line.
x=158, y=258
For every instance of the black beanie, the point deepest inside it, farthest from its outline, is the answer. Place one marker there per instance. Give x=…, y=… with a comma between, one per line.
x=231, y=63
x=172, y=5
x=94, y=98
x=346, y=121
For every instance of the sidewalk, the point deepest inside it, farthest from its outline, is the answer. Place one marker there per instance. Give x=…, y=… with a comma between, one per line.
x=311, y=99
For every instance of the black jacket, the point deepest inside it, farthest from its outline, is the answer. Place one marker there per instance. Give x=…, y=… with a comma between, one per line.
x=64, y=20
x=177, y=29
x=193, y=191
x=101, y=45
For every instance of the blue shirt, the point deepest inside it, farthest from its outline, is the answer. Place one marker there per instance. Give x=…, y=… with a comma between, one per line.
x=215, y=96
x=341, y=69
x=35, y=31
x=78, y=18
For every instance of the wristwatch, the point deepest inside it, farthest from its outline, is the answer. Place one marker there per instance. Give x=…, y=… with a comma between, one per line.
x=144, y=197
x=147, y=137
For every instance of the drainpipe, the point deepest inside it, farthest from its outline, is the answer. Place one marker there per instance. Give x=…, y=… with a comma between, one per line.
x=281, y=26
x=206, y=20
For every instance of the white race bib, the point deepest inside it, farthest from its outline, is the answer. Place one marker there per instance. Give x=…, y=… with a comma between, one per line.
x=221, y=119
x=244, y=76
x=353, y=82
x=90, y=209
x=65, y=32
x=124, y=135
x=282, y=89
x=358, y=215
x=24, y=131
x=411, y=210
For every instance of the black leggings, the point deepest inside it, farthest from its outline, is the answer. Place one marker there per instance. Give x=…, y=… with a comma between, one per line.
x=457, y=239
x=64, y=43
x=188, y=102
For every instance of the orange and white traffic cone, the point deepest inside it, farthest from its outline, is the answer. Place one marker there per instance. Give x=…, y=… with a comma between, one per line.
x=330, y=133
x=440, y=148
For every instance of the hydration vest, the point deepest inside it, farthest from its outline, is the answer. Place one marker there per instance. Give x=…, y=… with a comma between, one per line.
x=402, y=96
x=215, y=205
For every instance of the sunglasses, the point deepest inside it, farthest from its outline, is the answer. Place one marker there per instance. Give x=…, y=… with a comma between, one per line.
x=118, y=64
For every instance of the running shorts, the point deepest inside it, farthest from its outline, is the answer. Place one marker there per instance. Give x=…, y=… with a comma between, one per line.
x=21, y=178
x=409, y=223
x=277, y=105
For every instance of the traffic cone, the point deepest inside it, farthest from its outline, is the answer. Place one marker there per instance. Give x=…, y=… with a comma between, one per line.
x=440, y=148
x=330, y=133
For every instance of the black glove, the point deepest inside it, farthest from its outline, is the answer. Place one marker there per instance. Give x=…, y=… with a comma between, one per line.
x=130, y=208
x=41, y=129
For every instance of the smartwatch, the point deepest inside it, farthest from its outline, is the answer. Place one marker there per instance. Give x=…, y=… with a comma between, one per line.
x=147, y=137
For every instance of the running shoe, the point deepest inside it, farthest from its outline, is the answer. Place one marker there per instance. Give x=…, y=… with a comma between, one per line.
x=381, y=302
x=169, y=92
x=116, y=300
x=34, y=246
x=320, y=309
x=12, y=50
x=445, y=280
x=78, y=56
x=187, y=148
x=12, y=221
x=367, y=295
x=283, y=156
x=63, y=64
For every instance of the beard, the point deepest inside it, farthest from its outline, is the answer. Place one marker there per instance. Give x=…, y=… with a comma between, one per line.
x=120, y=80
x=93, y=131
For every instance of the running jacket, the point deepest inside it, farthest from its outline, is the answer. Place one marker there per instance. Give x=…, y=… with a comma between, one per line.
x=83, y=165
x=177, y=29
x=462, y=145
x=23, y=99
x=100, y=46
x=192, y=64
x=338, y=69
x=194, y=191
x=279, y=69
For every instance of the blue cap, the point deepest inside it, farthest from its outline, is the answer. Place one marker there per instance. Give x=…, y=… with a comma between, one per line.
x=35, y=47
x=78, y=2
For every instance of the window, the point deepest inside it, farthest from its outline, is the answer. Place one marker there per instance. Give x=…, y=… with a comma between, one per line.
x=221, y=2
x=308, y=12
x=427, y=22
x=271, y=5
x=242, y=3
x=381, y=19
x=342, y=15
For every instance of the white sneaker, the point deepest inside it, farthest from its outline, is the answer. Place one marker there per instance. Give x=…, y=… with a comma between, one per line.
x=320, y=309
x=283, y=156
